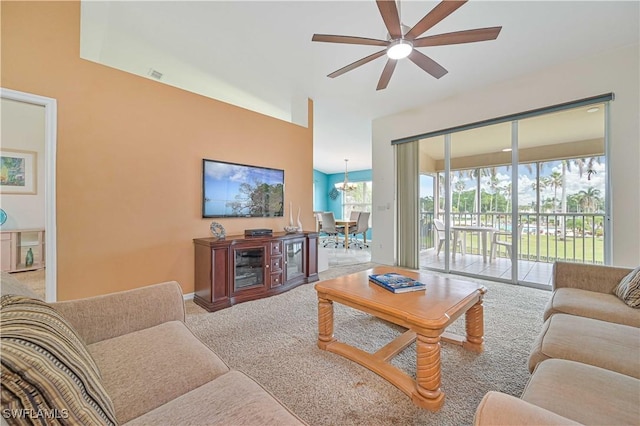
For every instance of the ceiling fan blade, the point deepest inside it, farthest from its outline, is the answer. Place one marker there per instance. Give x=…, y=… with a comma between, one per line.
x=437, y=14
x=390, y=16
x=427, y=64
x=328, y=38
x=356, y=64
x=458, y=37
x=387, y=72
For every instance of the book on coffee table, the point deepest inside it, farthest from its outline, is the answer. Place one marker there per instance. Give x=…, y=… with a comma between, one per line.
x=397, y=283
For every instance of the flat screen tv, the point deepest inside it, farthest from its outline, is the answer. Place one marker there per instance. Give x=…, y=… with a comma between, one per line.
x=240, y=190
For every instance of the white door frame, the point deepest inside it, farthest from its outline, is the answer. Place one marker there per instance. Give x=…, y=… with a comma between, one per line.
x=50, y=142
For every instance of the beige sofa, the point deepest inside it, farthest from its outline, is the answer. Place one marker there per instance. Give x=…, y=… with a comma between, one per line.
x=153, y=369
x=585, y=362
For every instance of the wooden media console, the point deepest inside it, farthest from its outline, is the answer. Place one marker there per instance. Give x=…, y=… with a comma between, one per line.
x=241, y=268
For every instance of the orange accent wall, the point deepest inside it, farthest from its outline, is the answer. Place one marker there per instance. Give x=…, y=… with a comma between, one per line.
x=129, y=157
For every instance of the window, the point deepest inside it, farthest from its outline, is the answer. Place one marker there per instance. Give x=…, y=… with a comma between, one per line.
x=357, y=200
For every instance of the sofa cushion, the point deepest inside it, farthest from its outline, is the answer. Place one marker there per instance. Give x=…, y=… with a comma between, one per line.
x=628, y=290
x=591, y=304
x=498, y=408
x=584, y=393
x=231, y=399
x=147, y=368
x=46, y=368
x=599, y=343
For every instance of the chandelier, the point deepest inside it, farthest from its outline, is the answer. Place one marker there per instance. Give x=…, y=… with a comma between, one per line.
x=346, y=186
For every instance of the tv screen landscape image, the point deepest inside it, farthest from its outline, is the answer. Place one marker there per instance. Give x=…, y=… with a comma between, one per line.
x=238, y=190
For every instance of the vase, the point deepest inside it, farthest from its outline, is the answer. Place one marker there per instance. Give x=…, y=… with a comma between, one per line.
x=29, y=259
x=290, y=214
x=299, y=223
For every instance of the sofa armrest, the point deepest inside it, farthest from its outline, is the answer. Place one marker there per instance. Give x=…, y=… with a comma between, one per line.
x=598, y=278
x=497, y=408
x=103, y=317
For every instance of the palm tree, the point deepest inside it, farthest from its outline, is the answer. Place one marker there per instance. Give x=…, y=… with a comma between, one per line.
x=459, y=187
x=493, y=185
x=548, y=204
x=555, y=181
x=573, y=203
x=541, y=184
x=507, y=191
x=589, y=199
x=584, y=165
x=587, y=165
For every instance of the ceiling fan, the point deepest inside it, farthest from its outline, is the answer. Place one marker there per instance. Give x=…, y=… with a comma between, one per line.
x=401, y=44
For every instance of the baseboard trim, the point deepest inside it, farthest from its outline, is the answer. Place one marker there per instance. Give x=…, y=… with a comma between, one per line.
x=188, y=296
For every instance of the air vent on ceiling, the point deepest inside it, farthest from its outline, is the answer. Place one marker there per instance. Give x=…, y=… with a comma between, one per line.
x=155, y=74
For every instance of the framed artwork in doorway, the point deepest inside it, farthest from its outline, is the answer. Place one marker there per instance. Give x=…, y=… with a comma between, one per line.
x=18, y=172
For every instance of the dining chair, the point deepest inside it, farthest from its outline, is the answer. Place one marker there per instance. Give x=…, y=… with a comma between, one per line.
x=440, y=231
x=502, y=238
x=362, y=226
x=329, y=227
x=353, y=216
x=318, y=216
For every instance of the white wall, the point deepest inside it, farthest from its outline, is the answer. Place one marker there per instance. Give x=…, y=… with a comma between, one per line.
x=615, y=71
x=103, y=44
x=23, y=128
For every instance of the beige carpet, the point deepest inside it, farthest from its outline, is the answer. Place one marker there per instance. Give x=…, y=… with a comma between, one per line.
x=274, y=341
x=34, y=280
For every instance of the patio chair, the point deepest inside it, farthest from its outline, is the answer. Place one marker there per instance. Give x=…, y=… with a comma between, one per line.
x=440, y=231
x=502, y=238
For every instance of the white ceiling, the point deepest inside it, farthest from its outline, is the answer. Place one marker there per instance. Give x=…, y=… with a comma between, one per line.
x=259, y=54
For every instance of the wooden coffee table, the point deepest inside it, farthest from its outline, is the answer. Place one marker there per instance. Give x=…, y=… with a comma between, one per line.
x=426, y=315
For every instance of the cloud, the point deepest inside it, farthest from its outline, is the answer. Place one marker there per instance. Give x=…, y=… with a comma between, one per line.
x=527, y=195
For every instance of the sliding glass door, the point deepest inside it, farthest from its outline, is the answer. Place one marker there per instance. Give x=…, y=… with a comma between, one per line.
x=432, y=242
x=562, y=192
x=480, y=178
x=507, y=200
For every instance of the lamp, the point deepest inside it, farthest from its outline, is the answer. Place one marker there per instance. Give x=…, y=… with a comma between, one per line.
x=346, y=186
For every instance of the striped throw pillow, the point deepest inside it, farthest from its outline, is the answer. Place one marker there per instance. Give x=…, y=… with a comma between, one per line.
x=48, y=376
x=628, y=289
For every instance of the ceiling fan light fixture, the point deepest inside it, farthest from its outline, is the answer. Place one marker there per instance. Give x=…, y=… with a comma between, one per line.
x=399, y=49
x=401, y=40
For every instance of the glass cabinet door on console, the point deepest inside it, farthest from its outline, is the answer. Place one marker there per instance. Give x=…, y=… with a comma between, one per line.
x=248, y=267
x=294, y=260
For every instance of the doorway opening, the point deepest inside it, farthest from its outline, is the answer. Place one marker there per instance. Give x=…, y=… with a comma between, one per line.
x=47, y=244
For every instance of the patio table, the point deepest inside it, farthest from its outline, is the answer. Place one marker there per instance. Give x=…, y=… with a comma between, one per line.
x=486, y=233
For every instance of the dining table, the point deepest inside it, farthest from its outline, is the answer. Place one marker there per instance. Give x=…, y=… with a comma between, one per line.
x=347, y=223
x=486, y=234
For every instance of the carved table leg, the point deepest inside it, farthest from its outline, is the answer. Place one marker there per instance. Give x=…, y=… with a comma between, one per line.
x=325, y=322
x=474, y=319
x=428, y=394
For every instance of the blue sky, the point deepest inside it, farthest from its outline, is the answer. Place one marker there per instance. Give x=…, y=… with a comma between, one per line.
x=222, y=182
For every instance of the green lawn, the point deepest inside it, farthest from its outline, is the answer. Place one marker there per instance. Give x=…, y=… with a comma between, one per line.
x=578, y=249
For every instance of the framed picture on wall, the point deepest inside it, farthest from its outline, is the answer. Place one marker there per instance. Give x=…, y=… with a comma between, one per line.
x=18, y=171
